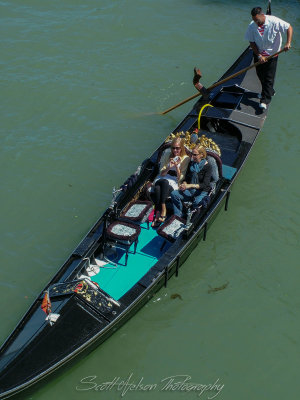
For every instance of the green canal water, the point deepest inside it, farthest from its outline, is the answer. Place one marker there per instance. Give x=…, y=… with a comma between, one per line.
x=81, y=82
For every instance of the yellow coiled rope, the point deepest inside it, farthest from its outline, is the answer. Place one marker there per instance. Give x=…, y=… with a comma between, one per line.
x=199, y=116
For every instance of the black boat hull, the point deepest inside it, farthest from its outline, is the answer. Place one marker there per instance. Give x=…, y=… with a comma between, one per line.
x=35, y=349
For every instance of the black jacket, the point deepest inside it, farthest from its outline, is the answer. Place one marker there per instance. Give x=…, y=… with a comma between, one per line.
x=204, y=177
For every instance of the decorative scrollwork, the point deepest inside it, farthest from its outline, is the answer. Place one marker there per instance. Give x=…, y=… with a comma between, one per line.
x=193, y=139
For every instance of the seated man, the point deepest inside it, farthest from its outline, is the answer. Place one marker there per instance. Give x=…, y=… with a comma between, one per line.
x=196, y=184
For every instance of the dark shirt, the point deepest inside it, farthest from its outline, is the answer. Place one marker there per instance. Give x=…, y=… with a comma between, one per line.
x=204, y=177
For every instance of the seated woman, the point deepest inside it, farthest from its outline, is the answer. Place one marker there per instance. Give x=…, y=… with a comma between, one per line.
x=173, y=166
x=197, y=182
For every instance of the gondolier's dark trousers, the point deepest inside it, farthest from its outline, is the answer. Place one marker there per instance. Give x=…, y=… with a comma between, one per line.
x=266, y=74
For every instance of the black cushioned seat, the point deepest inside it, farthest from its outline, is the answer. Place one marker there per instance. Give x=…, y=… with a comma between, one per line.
x=123, y=234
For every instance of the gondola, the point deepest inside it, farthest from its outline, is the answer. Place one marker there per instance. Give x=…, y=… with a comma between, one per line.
x=122, y=261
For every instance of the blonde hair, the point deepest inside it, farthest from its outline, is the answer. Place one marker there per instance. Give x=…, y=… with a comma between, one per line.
x=201, y=150
x=181, y=144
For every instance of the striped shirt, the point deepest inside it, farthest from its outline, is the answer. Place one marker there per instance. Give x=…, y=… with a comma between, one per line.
x=261, y=30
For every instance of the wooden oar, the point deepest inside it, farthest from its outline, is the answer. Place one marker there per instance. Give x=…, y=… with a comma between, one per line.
x=219, y=83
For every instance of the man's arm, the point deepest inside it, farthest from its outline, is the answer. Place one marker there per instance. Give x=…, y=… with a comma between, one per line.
x=254, y=48
x=207, y=178
x=261, y=58
x=289, y=35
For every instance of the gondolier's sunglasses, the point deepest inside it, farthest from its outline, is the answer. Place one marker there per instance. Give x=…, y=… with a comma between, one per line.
x=176, y=148
x=195, y=155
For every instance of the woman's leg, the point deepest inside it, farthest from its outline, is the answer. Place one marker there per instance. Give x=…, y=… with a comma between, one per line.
x=157, y=195
x=164, y=194
x=157, y=204
x=178, y=197
x=198, y=197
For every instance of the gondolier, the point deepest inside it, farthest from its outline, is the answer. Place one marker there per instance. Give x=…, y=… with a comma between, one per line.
x=265, y=36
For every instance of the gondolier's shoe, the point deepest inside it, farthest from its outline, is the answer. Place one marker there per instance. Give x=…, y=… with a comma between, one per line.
x=263, y=106
x=123, y=235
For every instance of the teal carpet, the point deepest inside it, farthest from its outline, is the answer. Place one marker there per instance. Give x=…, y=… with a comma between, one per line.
x=117, y=281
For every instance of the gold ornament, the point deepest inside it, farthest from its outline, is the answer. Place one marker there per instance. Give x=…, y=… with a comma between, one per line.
x=204, y=141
